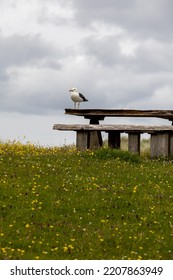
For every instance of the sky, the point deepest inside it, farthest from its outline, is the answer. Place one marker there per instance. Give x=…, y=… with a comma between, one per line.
x=118, y=53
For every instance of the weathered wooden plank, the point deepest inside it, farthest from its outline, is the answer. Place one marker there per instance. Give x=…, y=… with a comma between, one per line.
x=120, y=128
x=134, y=143
x=166, y=114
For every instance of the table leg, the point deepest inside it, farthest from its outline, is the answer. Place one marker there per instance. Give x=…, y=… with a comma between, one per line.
x=134, y=142
x=95, y=137
x=160, y=145
x=82, y=140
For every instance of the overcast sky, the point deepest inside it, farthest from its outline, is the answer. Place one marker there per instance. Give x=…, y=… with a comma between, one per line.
x=118, y=53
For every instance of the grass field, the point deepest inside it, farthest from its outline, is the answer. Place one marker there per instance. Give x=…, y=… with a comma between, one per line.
x=58, y=203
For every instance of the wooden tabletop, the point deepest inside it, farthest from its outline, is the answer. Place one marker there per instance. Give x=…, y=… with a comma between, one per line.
x=102, y=113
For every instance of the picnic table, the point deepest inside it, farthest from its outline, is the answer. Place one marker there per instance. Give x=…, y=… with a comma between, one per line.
x=89, y=135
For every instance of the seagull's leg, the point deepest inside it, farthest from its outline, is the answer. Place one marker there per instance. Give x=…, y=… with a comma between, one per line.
x=78, y=104
x=74, y=105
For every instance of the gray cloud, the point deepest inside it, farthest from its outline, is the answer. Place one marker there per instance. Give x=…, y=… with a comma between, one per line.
x=144, y=18
x=59, y=13
x=22, y=50
x=154, y=56
x=33, y=92
x=105, y=50
x=28, y=74
x=150, y=55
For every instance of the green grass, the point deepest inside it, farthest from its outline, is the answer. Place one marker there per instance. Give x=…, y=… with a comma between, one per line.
x=64, y=204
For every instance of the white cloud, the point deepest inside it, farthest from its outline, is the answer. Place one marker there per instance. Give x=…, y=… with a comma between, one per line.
x=129, y=46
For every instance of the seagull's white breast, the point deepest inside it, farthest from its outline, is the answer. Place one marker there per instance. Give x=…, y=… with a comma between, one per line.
x=75, y=97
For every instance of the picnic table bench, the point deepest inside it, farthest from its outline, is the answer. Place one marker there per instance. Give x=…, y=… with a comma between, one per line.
x=88, y=136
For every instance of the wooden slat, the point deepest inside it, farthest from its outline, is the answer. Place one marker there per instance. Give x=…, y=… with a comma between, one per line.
x=165, y=114
x=108, y=127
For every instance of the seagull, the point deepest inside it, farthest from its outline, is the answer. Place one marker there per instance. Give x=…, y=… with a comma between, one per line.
x=77, y=97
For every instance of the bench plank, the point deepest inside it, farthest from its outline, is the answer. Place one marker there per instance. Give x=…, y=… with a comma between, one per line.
x=110, y=127
x=161, y=141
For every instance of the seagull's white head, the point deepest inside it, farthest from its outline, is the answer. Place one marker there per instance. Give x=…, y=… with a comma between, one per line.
x=73, y=90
